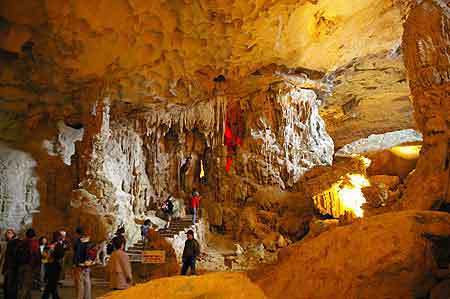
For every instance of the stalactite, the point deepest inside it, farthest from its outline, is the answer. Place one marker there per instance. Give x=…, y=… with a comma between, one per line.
x=302, y=142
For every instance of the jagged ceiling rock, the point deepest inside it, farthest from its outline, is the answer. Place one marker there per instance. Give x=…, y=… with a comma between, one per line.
x=163, y=43
x=370, y=96
x=180, y=52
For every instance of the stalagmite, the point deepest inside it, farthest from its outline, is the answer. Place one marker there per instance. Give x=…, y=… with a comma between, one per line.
x=426, y=48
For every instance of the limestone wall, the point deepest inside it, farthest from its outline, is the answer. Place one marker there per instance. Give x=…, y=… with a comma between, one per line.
x=19, y=197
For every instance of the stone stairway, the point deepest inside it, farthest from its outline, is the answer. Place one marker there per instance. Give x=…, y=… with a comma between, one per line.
x=176, y=226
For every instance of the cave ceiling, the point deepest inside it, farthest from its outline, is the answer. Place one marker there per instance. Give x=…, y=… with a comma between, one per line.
x=179, y=52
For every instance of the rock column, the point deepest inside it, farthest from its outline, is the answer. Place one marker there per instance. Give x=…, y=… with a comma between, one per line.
x=426, y=47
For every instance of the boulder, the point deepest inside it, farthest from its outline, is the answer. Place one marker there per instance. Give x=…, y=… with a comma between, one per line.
x=145, y=272
x=388, y=163
x=384, y=256
x=210, y=286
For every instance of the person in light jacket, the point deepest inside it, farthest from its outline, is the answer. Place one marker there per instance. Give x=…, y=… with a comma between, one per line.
x=119, y=267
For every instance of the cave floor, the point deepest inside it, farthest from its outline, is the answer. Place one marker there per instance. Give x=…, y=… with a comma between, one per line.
x=68, y=292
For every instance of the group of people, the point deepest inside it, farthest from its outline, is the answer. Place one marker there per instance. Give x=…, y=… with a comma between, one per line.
x=191, y=247
x=168, y=205
x=29, y=263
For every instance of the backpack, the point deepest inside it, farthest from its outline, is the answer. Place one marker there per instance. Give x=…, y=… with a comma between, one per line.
x=109, y=248
x=169, y=206
x=91, y=252
x=144, y=230
x=23, y=253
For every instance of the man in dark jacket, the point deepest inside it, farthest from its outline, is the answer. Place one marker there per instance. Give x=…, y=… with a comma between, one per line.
x=10, y=268
x=81, y=273
x=190, y=253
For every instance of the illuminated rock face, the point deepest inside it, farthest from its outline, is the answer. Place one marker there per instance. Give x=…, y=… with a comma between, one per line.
x=376, y=143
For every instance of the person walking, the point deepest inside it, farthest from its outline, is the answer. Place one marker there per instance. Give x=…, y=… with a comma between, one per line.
x=190, y=252
x=28, y=257
x=10, y=267
x=144, y=229
x=168, y=210
x=119, y=267
x=53, y=266
x=81, y=272
x=195, y=203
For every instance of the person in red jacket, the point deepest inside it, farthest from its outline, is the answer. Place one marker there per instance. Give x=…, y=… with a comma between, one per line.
x=195, y=203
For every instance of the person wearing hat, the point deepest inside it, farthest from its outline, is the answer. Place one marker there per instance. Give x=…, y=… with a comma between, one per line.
x=190, y=253
x=195, y=203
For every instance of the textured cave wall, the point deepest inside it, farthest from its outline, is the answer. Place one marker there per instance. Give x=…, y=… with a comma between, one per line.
x=370, y=96
x=19, y=197
x=114, y=188
x=156, y=62
x=282, y=136
x=426, y=46
x=65, y=42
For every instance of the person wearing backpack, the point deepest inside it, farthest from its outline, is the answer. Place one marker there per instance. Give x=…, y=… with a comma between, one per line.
x=82, y=272
x=144, y=229
x=28, y=257
x=168, y=209
x=53, y=267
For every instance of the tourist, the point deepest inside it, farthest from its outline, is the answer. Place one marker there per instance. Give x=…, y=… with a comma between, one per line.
x=9, y=235
x=168, y=210
x=44, y=249
x=195, y=203
x=119, y=267
x=9, y=269
x=190, y=253
x=66, y=245
x=120, y=233
x=28, y=257
x=53, y=266
x=81, y=272
x=144, y=229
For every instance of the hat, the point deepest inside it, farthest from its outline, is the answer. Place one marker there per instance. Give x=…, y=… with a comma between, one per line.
x=190, y=232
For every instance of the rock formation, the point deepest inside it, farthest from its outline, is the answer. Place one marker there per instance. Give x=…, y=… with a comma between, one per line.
x=384, y=256
x=427, y=60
